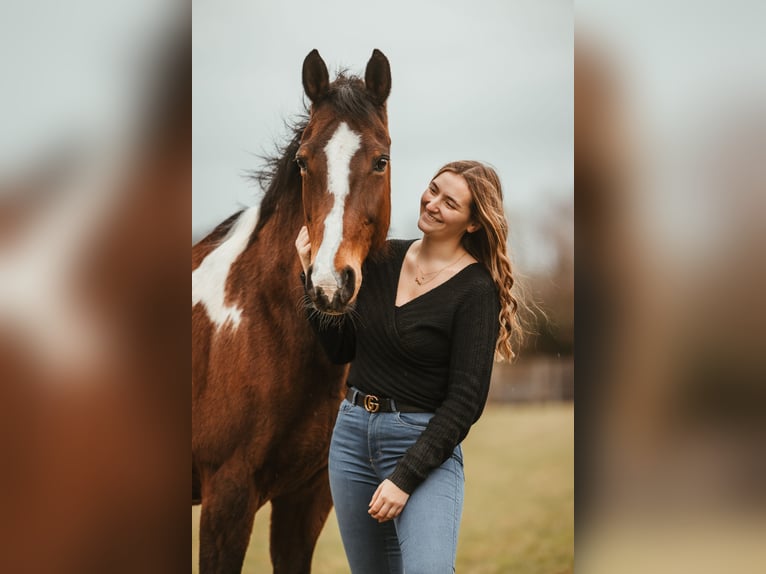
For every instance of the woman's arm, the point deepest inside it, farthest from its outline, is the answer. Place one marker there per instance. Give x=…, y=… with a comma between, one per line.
x=474, y=334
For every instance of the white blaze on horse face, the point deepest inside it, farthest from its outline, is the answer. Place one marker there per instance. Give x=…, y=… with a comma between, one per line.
x=209, y=279
x=339, y=150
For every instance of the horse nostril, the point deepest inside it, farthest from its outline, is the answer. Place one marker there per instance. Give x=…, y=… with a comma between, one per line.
x=309, y=283
x=320, y=299
x=348, y=282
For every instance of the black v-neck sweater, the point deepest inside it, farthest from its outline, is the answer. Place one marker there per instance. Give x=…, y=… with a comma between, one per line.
x=435, y=352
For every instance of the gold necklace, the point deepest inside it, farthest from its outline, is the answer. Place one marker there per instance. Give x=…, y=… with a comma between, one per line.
x=421, y=278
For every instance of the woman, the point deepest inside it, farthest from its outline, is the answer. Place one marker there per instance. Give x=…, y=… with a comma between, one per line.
x=430, y=316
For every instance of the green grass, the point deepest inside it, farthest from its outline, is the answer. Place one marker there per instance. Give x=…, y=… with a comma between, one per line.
x=518, y=512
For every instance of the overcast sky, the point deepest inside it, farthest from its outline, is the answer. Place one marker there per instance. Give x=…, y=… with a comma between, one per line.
x=489, y=80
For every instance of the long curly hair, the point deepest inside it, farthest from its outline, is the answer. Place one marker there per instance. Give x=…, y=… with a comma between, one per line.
x=488, y=245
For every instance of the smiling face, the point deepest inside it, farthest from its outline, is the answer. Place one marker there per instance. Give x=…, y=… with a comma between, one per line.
x=445, y=207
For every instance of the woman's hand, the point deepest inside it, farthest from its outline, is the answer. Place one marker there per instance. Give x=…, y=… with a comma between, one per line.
x=387, y=502
x=303, y=246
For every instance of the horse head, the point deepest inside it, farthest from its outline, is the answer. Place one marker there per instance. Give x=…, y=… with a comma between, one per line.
x=346, y=181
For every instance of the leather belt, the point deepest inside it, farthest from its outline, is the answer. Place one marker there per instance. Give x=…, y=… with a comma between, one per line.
x=375, y=404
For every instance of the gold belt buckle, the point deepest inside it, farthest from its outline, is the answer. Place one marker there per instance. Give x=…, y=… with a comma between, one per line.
x=371, y=404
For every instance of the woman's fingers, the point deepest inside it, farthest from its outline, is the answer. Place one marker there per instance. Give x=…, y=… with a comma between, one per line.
x=375, y=498
x=387, y=502
x=376, y=503
x=303, y=238
x=386, y=512
x=303, y=247
x=383, y=512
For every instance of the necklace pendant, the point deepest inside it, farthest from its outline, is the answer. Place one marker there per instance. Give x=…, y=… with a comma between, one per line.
x=418, y=281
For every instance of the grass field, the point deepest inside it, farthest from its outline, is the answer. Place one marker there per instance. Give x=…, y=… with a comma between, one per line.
x=518, y=513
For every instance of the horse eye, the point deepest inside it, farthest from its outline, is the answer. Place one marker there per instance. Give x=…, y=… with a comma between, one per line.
x=301, y=163
x=381, y=164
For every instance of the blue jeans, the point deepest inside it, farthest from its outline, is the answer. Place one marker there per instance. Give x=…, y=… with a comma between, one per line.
x=364, y=450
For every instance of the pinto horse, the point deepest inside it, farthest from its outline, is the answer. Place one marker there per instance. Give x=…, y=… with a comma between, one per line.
x=264, y=396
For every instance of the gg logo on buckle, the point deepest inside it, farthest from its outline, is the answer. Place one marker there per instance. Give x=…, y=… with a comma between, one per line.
x=371, y=404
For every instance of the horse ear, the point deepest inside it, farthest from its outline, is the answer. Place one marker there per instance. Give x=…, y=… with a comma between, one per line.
x=377, y=77
x=316, y=80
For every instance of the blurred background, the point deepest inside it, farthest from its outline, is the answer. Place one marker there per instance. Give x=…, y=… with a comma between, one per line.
x=670, y=127
x=95, y=171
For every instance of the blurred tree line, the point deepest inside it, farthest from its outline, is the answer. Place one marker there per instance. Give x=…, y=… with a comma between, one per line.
x=548, y=289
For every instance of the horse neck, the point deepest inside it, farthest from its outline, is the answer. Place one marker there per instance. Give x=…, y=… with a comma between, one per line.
x=284, y=224
x=272, y=245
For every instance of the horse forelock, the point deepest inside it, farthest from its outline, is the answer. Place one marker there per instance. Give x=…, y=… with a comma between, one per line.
x=349, y=99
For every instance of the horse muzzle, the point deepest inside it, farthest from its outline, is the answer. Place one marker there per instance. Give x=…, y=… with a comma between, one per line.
x=332, y=296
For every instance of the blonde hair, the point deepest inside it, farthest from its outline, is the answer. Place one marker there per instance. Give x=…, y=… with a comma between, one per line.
x=488, y=245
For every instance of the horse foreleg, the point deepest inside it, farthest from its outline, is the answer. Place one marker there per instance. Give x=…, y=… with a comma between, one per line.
x=297, y=519
x=229, y=503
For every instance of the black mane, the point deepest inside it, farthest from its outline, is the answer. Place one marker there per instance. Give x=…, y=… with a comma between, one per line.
x=280, y=176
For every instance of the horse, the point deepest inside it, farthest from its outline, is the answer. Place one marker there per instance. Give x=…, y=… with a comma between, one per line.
x=264, y=395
